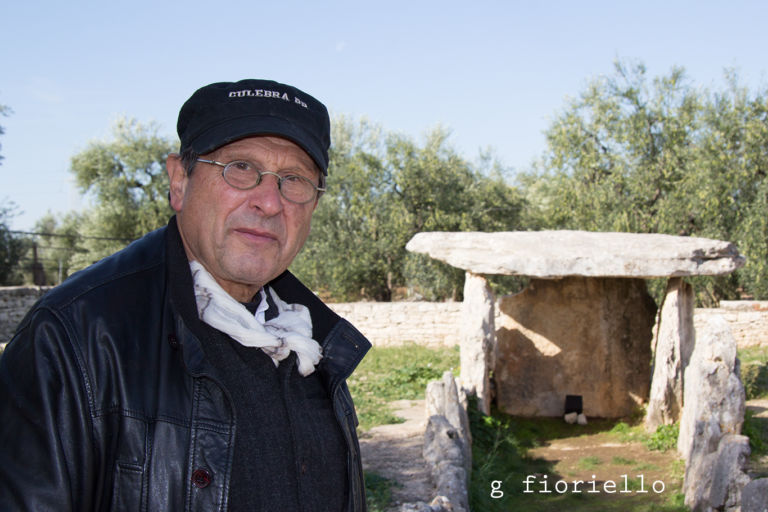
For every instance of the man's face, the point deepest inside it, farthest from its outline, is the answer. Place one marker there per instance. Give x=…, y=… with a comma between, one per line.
x=244, y=238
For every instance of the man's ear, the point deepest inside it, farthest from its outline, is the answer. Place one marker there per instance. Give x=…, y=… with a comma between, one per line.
x=177, y=177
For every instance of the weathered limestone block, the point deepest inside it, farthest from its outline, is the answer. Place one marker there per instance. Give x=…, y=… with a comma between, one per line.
x=478, y=342
x=439, y=504
x=674, y=344
x=552, y=254
x=444, y=398
x=447, y=442
x=444, y=454
x=714, y=395
x=575, y=336
x=754, y=496
x=714, y=480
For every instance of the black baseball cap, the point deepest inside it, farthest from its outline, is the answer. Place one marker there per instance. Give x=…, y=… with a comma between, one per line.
x=224, y=112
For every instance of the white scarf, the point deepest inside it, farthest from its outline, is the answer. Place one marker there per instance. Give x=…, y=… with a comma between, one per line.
x=290, y=331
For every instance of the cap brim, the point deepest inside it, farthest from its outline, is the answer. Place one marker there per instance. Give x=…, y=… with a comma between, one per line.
x=248, y=126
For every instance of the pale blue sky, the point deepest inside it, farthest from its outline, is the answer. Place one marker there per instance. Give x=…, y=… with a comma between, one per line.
x=492, y=72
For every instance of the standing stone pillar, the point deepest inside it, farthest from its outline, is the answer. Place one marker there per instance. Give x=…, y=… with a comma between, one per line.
x=478, y=339
x=714, y=453
x=675, y=338
x=714, y=394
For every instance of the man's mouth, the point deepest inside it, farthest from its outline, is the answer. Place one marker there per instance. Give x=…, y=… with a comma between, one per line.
x=256, y=235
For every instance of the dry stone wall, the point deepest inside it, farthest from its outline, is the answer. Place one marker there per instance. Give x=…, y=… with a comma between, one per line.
x=748, y=320
x=15, y=301
x=434, y=324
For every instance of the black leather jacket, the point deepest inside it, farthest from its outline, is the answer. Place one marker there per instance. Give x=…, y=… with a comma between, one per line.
x=107, y=401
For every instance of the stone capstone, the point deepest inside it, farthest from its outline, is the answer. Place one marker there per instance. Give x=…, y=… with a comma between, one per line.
x=575, y=336
x=552, y=254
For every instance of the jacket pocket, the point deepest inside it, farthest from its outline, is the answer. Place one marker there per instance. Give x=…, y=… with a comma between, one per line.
x=128, y=486
x=126, y=495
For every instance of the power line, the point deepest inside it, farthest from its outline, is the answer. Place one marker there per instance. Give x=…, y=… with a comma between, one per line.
x=116, y=239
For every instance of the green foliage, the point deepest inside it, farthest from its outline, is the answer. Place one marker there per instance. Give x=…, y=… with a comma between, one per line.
x=754, y=371
x=590, y=462
x=57, y=244
x=378, y=492
x=4, y=111
x=661, y=157
x=126, y=180
x=412, y=378
x=757, y=430
x=12, y=248
x=665, y=438
x=383, y=189
x=755, y=378
x=396, y=373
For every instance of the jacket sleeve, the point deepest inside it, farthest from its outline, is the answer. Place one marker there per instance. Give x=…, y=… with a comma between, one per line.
x=46, y=449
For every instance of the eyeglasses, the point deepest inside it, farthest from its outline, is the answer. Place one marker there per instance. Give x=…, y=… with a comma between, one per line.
x=243, y=175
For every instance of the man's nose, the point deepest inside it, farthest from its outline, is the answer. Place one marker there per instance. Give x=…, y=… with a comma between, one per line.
x=266, y=195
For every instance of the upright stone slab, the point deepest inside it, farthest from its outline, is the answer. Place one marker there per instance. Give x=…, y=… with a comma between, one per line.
x=443, y=398
x=674, y=344
x=714, y=481
x=714, y=395
x=575, y=336
x=448, y=433
x=477, y=339
x=754, y=496
x=712, y=417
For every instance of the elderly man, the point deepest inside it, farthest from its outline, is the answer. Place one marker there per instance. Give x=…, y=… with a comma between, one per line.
x=191, y=370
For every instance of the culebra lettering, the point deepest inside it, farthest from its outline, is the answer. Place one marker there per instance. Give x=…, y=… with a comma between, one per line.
x=260, y=93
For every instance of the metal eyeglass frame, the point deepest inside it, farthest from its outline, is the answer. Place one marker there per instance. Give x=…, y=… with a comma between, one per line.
x=261, y=174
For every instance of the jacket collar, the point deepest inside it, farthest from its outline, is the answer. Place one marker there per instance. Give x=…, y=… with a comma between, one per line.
x=343, y=346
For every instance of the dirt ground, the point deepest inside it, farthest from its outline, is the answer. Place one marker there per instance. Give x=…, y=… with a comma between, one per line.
x=600, y=458
x=395, y=452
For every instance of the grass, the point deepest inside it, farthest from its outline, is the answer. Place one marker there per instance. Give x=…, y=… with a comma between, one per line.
x=757, y=431
x=754, y=371
x=590, y=462
x=378, y=492
x=665, y=438
x=396, y=373
x=754, y=355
